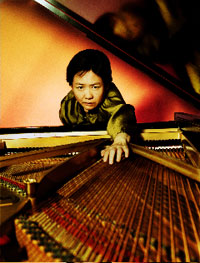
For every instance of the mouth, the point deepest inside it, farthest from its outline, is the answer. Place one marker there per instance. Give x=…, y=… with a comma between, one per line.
x=88, y=103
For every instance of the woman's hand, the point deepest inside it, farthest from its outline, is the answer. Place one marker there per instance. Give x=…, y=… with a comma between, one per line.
x=119, y=146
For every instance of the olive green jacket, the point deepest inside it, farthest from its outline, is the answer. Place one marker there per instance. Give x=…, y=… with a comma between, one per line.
x=112, y=114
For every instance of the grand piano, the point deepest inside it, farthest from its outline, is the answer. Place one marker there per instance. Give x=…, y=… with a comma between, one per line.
x=60, y=202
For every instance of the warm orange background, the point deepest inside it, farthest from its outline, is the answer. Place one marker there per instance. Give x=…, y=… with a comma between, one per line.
x=36, y=47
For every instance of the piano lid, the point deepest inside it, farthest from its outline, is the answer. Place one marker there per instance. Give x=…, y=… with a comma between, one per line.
x=151, y=49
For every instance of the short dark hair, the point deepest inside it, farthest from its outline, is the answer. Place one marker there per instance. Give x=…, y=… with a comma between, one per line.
x=90, y=59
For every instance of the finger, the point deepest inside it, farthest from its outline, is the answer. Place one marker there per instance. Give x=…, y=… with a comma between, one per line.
x=102, y=153
x=119, y=154
x=111, y=156
x=104, y=150
x=105, y=157
x=126, y=151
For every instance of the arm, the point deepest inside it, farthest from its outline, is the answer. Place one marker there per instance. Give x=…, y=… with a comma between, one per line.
x=121, y=126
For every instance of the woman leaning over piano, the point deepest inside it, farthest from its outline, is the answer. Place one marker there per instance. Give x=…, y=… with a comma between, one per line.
x=94, y=102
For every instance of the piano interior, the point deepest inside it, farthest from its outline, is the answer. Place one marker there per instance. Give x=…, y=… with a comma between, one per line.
x=59, y=202
x=140, y=209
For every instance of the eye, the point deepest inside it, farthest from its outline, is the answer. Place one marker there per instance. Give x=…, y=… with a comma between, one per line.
x=96, y=87
x=79, y=87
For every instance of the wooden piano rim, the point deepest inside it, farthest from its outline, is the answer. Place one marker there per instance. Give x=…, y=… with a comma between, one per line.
x=53, y=139
x=192, y=171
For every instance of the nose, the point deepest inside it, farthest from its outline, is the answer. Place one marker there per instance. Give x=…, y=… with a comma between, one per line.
x=88, y=94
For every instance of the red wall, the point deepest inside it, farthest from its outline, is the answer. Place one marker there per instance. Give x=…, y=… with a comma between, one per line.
x=36, y=47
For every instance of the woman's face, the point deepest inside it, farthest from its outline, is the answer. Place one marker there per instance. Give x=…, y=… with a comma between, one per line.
x=88, y=89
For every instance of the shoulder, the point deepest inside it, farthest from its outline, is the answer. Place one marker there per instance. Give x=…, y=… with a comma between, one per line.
x=113, y=91
x=113, y=97
x=68, y=98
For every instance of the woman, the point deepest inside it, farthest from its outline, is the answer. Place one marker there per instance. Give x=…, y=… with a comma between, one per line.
x=95, y=102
